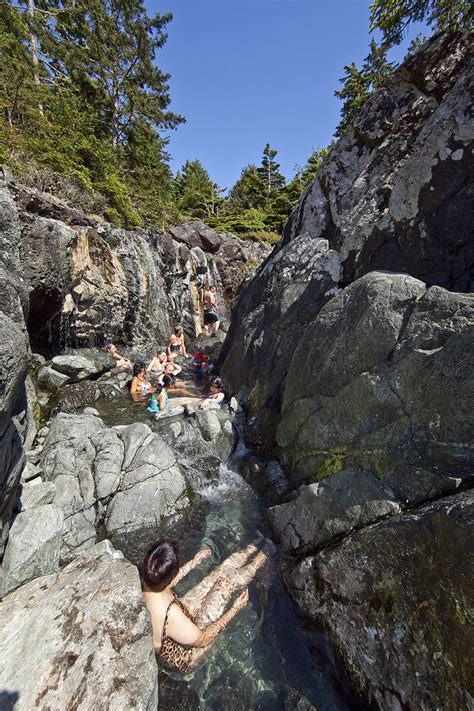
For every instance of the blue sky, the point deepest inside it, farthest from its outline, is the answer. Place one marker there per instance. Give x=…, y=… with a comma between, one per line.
x=244, y=72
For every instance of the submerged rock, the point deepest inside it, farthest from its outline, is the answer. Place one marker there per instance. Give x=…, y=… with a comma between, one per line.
x=79, y=638
x=396, y=598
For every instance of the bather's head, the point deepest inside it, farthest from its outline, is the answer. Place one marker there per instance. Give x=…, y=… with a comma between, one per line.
x=179, y=330
x=110, y=348
x=161, y=355
x=160, y=565
x=168, y=380
x=139, y=367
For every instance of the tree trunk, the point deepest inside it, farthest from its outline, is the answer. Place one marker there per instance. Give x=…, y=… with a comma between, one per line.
x=34, y=52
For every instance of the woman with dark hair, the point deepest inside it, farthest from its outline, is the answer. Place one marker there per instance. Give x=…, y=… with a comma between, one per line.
x=141, y=386
x=216, y=393
x=184, y=628
x=176, y=345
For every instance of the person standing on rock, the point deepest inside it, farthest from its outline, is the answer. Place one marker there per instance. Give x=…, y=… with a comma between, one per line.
x=211, y=318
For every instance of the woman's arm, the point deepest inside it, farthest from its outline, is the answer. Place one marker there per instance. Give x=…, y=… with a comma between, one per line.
x=182, y=630
x=135, y=386
x=151, y=365
x=187, y=567
x=162, y=401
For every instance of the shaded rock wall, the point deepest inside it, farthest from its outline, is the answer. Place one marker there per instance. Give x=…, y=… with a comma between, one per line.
x=13, y=362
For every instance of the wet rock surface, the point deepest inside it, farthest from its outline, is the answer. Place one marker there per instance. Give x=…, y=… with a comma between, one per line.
x=98, y=647
x=396, y=599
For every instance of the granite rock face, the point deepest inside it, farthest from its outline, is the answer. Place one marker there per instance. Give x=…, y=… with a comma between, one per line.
x=395, y=193
x=330, y=509
x=79, y=638
x=33, y=547
x=398, y=185
x=122, y=479
x=396, y=599
x=383, y=379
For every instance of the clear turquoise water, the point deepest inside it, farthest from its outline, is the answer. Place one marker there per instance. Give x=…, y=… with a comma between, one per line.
x=265, y=659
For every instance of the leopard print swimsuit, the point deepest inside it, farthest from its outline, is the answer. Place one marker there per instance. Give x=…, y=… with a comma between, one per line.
x=173, y=654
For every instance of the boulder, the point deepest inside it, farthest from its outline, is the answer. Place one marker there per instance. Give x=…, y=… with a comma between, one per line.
x=396, y=598
x=330, y=509
x=97, y=649
x=37, y=493
x=51, y=380
x=121, y=479
x=77, y=367
x=33, y=547
x=209, y=424
x=383, y=380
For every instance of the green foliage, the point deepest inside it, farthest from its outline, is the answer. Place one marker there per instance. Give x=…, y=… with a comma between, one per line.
x=271, y=178
x=358, y=84
x=83, y=104
x=392, y=17
x=197, y=196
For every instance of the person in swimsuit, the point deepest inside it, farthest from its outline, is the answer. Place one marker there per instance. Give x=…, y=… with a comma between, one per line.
x=184, y=628
x=120, y=360
x=157, y=364
x=140, y=387
x=158, y=401
x=211, y=319
x=176, y=344
x=216, y=393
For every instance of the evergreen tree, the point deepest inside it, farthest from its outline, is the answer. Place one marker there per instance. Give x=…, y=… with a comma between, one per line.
x=249, y=192
x=198, y=197
x=392, y=17
x=358, y=84
x=272, y=179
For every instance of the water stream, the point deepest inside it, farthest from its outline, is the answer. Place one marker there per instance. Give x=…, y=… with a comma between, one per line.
x=265, y=659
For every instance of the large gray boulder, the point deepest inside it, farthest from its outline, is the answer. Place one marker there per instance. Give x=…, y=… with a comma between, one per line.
x=77, y=367
x=33, y=547
x=80, y=638
x=122, y=478
x=330, y=509
x=383, y=379
x=396, y=598
x=268, y=321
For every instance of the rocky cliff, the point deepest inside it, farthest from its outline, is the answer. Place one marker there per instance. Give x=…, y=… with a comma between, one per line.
x=352, y=350
x=88, y=282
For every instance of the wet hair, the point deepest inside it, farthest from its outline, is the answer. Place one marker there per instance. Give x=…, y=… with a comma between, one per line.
x=178, y=329
x=108, y=346
x=138, y=366
x=167, y=380
x=160, y=565
x=216, y=383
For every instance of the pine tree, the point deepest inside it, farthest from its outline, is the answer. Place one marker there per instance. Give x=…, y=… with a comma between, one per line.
x=392, y=17
x=249, y=192
x=198, y=197
x=272, y=179
x=358, y=84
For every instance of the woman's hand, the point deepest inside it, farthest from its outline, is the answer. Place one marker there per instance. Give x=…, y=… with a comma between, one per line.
x=242, y=600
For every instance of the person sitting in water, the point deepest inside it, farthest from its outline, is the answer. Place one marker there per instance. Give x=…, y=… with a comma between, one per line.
x=158, y=401
x=211, y=319
x=140, y=386
x=176, y=345
x=172, y=368
x=216, y=393
x=157, y=364
x=184, y=628
x=176, y=386
x=120, y=360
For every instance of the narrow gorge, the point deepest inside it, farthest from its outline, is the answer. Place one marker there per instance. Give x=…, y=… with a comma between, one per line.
x=346, y=436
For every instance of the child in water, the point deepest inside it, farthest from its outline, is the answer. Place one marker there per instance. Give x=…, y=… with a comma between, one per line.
x=216, y=393
x=158, y=401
